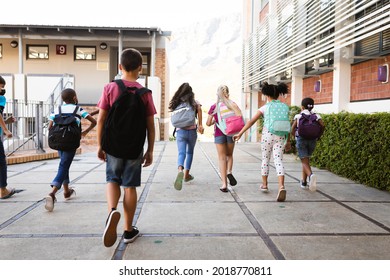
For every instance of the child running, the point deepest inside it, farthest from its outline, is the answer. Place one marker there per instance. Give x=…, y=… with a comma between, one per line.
x=271, y=143
x=307, y=146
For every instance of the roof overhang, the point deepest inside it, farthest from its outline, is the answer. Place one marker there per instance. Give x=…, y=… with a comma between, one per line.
x=78, y=32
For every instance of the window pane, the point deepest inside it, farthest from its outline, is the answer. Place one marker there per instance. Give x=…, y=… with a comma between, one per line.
x=37, y=52
x=85, y=53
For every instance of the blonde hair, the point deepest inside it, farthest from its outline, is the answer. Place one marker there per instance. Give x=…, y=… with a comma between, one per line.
x=223, y=96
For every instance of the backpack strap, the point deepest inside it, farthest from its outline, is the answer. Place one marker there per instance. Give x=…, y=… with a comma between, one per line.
x=221, y=123
x=59, y=110
x=121, y=85
x=125, y=89
x=142, y=90
x=75, y=112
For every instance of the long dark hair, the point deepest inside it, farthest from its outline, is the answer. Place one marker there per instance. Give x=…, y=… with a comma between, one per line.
x=183, y=94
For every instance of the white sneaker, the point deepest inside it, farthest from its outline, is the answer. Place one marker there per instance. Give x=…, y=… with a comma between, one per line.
x=313, y=183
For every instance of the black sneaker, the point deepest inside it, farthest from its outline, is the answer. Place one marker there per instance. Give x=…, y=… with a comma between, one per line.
x=130, y=236
x=232, y=180
x=110, y=235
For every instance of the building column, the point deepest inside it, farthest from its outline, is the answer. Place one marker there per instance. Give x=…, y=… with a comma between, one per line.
x=254, y=106
x=297, y=85
x=341, y=82
x=341, y=76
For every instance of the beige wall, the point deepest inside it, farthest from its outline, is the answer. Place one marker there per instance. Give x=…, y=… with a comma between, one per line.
x=90, y=76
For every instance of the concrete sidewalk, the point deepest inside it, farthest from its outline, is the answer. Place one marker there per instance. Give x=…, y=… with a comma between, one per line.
x=342, y=220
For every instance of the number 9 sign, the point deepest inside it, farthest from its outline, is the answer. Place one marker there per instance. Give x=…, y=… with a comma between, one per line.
x=61, y=49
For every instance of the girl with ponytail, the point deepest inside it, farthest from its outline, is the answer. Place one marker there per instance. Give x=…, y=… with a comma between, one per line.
x=271, y=143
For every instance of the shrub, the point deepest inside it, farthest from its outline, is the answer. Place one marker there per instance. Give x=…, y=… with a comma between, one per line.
x=356, y=146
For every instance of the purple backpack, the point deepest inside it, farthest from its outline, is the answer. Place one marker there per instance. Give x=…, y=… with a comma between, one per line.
x=308, y=127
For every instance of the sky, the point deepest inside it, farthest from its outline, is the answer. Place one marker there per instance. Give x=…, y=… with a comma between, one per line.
x=166, y=14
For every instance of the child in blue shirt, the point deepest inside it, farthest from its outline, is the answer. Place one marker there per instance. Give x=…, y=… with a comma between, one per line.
x=4, y=192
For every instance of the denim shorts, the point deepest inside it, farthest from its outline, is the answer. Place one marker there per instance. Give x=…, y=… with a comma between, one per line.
x=125, y=172
x=305, y=147
x=223, y=139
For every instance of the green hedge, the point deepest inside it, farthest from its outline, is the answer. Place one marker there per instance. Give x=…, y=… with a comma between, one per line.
x=356, y=146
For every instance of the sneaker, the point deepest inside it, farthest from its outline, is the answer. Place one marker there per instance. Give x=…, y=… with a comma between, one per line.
x=110, y=235
x=263, y=189
x=179, y=181
x=50, y=200
x=130, y=236
x=190, y=178
x=304, y=185
x=232, y=180
x=281, y=195
x=69, y=194
x=313, y=183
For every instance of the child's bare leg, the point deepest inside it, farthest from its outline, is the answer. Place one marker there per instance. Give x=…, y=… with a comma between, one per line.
x=129, y=206
x=265, y=181
x=281, y=181
x=306, y=169
x=113, y=193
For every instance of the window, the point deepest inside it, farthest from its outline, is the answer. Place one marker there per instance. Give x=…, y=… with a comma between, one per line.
x=145, y=64
x=37, y=52
x=1, y=51
x=84, y=53
x=377, y=44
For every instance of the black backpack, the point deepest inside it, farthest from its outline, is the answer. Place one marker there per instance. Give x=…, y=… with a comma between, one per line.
x=125, y=126
x=65, y=134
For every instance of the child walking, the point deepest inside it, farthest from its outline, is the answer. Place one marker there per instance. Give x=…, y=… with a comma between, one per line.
x=223, y=143
x=122, y=170
x=271, y=143
x=186, y=137
x=4, y=191
x=69, y=98
x=306, y=146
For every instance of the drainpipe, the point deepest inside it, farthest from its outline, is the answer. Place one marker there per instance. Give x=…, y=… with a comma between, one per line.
x=153, y=56
x=120, y=49
x=21, y=70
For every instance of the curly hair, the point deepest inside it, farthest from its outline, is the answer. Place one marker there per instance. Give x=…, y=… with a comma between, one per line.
x=274, y=91
x=183, y=94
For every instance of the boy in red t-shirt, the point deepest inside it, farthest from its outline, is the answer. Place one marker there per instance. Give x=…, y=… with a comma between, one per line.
x=119, y=171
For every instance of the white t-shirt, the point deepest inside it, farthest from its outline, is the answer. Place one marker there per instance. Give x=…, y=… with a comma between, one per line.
x=67, y=109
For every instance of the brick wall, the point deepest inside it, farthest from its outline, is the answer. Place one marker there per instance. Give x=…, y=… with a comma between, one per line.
x=91, y=138
x=323, y=97
x=364, y=81
x=161, y=73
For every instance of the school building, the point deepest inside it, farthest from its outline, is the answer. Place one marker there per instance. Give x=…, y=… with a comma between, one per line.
x=335, y=51
x=37, y=61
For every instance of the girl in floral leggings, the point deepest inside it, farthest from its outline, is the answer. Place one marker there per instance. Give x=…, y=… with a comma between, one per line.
x=270, y=143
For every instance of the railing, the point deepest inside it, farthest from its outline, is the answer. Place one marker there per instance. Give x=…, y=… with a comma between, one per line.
x=30, y=129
